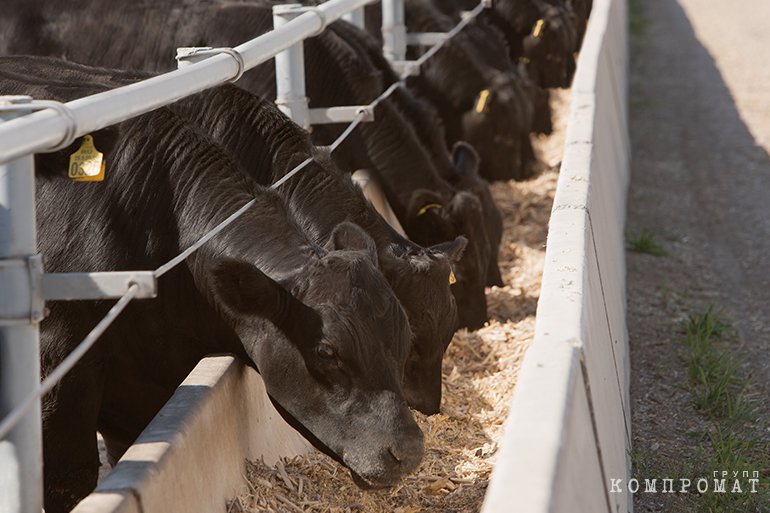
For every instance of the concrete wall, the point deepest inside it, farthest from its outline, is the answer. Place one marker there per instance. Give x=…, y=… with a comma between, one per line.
x=568, y=431
x=191, y=457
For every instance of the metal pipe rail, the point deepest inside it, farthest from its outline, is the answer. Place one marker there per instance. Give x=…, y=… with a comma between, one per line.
x=40, y=131
x=20, y=268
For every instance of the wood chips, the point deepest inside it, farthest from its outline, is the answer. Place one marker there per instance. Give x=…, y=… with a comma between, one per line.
x=479, y=374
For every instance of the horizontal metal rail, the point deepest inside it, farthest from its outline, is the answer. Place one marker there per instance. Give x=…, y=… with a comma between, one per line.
x=40, y=131
x=110, y=285
x=425, y=38
x=329, y=115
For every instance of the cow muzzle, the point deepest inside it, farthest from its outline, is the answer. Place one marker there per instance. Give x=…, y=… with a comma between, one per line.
x=385, y=459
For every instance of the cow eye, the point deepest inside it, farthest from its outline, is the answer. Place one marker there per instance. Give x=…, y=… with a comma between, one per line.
x=325, y=351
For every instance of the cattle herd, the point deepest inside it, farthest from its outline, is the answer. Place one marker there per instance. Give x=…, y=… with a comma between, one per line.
x=345, y=316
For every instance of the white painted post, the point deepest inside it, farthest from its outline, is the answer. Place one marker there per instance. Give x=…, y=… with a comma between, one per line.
x=356, y=17
x=290, y=70
x=21, y=462
x=393, y=30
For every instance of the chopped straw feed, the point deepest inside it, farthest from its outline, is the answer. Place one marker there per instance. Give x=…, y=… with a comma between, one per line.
x=479, y=374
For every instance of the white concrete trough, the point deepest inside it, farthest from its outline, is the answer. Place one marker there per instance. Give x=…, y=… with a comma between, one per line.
x=191, y=457
x=568, y=432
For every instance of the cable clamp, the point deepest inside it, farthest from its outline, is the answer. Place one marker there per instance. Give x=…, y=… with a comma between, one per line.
x=28, y=104
x=196, y=54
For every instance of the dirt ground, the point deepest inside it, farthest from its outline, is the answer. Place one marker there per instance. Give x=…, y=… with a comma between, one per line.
x=700, y=132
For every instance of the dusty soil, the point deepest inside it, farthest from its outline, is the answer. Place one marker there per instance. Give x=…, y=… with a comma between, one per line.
x=480, y=371
x=700, y=131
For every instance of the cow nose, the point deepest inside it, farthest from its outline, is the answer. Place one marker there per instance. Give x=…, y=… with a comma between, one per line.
x=408, y=453
x=427, y=405
x=422, y=388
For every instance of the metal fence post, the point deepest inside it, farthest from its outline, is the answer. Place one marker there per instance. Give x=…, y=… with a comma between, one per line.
x=290, y=71
x=21, y=462
x=393, y=30
x=356, y=17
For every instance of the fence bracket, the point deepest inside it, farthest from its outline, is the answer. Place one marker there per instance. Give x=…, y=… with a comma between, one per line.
x=401, y=66
x=356, y=17
x=425, y=38
x=329, y=115
x=111, y=285
x=22, y=103
x=23, y=275
x=187, y=55
x=63, y=287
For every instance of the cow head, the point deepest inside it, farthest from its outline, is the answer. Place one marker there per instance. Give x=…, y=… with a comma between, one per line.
x=334, y=365
x=548, y=50
x=465, y=164
x=496, y=125
x=542, y=123
x=422, y=280
x=431, y=220
x=419, y=277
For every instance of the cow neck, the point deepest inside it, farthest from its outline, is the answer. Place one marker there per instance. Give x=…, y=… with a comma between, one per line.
x=428, y=124
x=455, y=56
x=240, y=123
x=309, y=192
x=267, y=145
x=267, y=236
x=170, y=148
x=310, y=195
x=403, y=163
x=460, y=94
x=392, y=147
x=515, y=23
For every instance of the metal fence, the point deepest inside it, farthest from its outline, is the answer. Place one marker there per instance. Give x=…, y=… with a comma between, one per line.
x=31, y=126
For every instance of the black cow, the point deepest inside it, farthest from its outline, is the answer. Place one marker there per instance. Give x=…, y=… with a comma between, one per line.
x=460, y=171
x=419, y=177
x=387, y=145
x=430, y=209
x=543, y=35
x=488, y=44
x=324, y=197
x=252, y=130
x=319, y=323
x=488, y=106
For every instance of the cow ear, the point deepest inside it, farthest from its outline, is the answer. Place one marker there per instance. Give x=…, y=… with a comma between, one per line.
x=244, y=291
x=494, y=276
x=465, y=158
x=424, y=201
x=351, y=237
x=426, y=218
x=453, y=249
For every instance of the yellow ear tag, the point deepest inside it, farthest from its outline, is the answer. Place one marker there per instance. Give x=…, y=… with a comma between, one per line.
x=481, y=104
x=538, y=30
x=452, y=279
x=429, y=206
x=87, y=164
